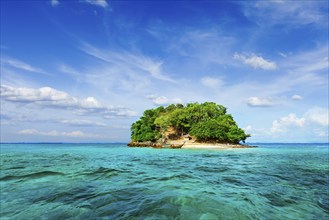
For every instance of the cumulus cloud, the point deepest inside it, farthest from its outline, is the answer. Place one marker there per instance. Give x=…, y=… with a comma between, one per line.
x=101, y=3
x=211, y=82
x=315, y=119
x=318, y=116
x=52, y=98
x=296, y=97
x=163, y=100
x=255, y=61
x=260, y=102
x=283, y=123
x=54, y=133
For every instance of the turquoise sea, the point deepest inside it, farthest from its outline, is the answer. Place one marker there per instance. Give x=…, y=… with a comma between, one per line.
x=112, y=181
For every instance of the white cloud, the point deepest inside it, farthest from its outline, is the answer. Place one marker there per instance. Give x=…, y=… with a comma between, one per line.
x=255, y=61
x=11, y=62
x=44, y=95
x=101, y=3
x=248, y=128
x=54, y=133
x=163, y=100
x=296, y=97
x=260, y=102
x=53, y=98
x=283, y=123
x=211, y=82
x=318, y=116
x=54, y=3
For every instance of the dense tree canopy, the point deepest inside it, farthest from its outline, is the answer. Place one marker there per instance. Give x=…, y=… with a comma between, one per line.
x=207, y=122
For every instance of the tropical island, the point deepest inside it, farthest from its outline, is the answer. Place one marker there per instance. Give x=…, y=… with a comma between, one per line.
x=194, y=125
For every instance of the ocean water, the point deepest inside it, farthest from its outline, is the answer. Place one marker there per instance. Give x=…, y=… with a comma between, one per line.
x=112, y=181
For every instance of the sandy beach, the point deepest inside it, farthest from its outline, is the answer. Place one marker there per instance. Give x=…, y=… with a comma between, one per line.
x=197, y=145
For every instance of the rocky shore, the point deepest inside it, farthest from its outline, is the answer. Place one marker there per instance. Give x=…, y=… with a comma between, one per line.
x=187, y=145
x=144, y=144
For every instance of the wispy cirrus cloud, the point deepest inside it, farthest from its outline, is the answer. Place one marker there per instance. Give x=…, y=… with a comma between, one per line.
x=133, y=63
x=255, y=61
x=295, y=13
x=52, y=98
x=69, y=70
x=212, y=82
x=17, y=64
x=54, y=133
x=13, y=118
x=81, y=123
x=313, y=61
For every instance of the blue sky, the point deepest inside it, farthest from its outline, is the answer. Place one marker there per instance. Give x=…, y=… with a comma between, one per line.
x=83, y=71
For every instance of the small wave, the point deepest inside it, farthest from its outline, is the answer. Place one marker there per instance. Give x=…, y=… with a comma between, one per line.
x=209, y=155
x=32, y=176
x=16, y=168
x=179, y=176
x=212, y=169
x=324, y=204
x=232, y=180
x=103, y=172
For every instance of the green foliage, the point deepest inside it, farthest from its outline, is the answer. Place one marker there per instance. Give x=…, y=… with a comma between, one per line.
x=206, y=122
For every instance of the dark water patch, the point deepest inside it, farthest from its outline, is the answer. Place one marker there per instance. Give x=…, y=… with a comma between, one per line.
x=57, y=197
x=210, y=155
x=181, y=176
x=279, y=200
x=232, y=180
x=158, y=208
x=67, y=195
x=321, y=181
x=32, y=176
